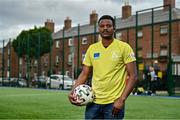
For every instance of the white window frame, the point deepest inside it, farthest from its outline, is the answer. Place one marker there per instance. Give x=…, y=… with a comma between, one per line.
x=20, y=61
x=57, y=59
x=67, y=73
x=45, y=61
x=140, y=53
x=118, y=35
x=8, y=73
x=70, y=59
x=35, y=62
x=43, y=73
x=163, y=52
x=84, y=40
x=140, y=33
x=57, y=44
x=8, y=62
x=9, y=51
x=70, y=42
x=163, y=29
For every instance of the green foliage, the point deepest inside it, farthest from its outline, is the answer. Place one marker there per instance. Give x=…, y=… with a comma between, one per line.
x=32, y=41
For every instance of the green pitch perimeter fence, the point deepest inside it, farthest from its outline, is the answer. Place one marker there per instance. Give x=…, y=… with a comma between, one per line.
x=149, y=32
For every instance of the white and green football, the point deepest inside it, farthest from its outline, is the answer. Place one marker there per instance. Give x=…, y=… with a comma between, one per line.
x=83, y=94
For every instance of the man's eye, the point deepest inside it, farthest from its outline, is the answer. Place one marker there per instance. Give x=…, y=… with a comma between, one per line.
x=101, y=26
x=109, y=26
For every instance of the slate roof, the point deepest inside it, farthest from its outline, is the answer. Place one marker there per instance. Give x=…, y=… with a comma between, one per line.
x=143, y=19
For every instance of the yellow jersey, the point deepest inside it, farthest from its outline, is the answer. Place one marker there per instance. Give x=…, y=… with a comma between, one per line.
x=109, y=72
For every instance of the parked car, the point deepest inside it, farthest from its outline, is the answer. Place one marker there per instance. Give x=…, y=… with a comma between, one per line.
x=40, y=82
x=5, y=81
x=18, y=82
x=56, y=81
x=14, y=82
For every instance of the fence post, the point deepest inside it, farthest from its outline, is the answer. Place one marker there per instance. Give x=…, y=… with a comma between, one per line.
x=3, y=65
x=170, y=77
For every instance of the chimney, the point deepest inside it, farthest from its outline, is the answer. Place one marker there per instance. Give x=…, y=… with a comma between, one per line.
x=169, y=2
x=49, y=24
x=93, y=17
x=126, y=10
x=67, y=23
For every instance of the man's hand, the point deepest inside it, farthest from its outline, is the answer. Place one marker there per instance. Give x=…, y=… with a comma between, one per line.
x=118, y=105
x=73, y=99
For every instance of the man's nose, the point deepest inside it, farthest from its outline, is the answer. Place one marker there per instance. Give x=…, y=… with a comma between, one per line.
x=105, y=27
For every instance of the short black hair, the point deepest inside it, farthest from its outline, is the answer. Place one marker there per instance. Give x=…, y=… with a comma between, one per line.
x=107, y=17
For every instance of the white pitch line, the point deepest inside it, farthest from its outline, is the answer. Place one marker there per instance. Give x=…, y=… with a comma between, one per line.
x=19, y=95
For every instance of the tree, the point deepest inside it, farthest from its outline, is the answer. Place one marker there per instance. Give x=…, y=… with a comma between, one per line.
x=30, y=42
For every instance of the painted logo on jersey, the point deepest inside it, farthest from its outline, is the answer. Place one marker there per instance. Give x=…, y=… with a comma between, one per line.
x=96, y=55
x=115, y=56
x=132, y=55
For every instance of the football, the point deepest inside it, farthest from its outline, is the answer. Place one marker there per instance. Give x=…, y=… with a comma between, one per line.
x=83, y=94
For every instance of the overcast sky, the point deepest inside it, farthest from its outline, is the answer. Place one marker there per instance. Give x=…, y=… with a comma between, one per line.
x=16, y=15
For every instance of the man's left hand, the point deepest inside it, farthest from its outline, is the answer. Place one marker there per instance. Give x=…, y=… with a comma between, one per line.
x=118, y=105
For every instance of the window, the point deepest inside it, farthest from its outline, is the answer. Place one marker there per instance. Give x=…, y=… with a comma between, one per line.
x=20, y=74
x=43, y=73
x=69, y=59
x=118, y=35
x=67, y=73
x=70, y=42
x=163, y=52
x=57, y=59
x=8, y=62
x=155, y=55
x=35, y=75
x=140, y=53
x=8, y=51
x=148, y=55
x=176, y=69
x=46, y=61
x=163, y=29
x=20, y=61
x=8, y=73
x=57, y=44
x=35, y=63
x=84, y=40
x=140, y=33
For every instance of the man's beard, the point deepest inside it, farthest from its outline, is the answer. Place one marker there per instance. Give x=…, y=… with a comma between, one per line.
x=109, y=37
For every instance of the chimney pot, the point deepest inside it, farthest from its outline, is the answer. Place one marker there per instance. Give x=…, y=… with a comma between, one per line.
x=49, y=24
x=169, y=2
x=67, y=23
x=93, y=17
x=126, y=11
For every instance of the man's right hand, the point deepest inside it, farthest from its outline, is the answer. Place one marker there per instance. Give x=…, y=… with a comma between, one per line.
x=73, y=99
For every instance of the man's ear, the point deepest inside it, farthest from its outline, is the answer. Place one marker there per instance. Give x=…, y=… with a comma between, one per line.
x=114, y=29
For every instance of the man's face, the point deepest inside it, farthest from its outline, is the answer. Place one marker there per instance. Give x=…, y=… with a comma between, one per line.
x=106, y=29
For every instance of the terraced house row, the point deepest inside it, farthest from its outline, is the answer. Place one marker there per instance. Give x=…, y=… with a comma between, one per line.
x=149, y=32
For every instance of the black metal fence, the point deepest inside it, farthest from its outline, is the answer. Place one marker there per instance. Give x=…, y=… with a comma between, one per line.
x=149, y=32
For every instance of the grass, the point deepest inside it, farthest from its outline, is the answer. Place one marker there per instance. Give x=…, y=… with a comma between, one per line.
x=26, y=103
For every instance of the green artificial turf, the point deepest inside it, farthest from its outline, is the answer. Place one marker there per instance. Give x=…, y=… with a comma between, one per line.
x=27, y=103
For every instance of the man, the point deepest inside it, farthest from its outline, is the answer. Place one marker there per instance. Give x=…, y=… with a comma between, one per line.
x=114, y=73
x=153, y=80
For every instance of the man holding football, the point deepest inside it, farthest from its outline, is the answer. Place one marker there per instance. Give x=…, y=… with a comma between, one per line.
x=113, y=64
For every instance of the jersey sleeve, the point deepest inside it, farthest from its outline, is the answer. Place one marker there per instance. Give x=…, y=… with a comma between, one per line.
x=87, y=59
x=129, y=55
